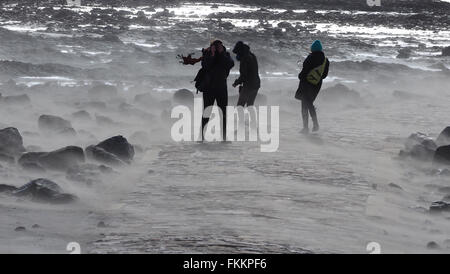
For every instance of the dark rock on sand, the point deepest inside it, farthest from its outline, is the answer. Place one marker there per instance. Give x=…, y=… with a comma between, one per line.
x=183, y=96
x=419, y=146
x=444, y=138
x=395, y=186
x=442, y=155
x=55, y=124
x=340, y=92
x=100, y=155
x=61, y=159
x=11, y=143
x=104, y=121
x=7, y=188
x=433, y=245
x=82, y=115
x=119, y=146
x=20, y=228
x=439, y=206
x=43, y=190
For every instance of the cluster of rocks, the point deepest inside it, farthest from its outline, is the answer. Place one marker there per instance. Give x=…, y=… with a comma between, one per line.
x=422, y=147
x=114, y=151
x=40, y=190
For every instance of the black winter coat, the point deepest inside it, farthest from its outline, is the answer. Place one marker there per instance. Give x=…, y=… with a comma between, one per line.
x=217, y=68
x=248, y=69
x=308, y=90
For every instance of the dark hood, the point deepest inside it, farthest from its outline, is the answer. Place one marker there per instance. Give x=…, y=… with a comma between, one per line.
x=241, y=49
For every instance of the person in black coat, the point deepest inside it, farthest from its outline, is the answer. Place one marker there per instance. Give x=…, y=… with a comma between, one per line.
x=217, y=63
x=249, y=75
x=309, y=91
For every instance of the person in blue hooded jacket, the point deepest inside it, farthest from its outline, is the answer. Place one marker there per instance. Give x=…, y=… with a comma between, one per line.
x=315, y=69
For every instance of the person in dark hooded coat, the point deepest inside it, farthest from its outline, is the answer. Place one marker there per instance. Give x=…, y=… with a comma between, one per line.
x=217, y=63
x=307, y=91
x=249, y=75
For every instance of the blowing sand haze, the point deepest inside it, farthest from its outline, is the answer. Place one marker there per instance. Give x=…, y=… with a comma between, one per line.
x=92, y=159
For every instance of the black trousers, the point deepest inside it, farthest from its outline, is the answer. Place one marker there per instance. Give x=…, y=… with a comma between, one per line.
x=221, y=98
x=308, y=108
x=247, y=96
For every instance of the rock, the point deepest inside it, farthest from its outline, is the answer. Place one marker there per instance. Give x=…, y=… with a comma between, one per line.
x=61, y=159
x=82, y=115
x=7, y=188
x=433, y=245
x=439, y=206
x=111, y=38
x=101, y=92
x=11, y=143
x=101, y=224
x=395, y=186
x=43, y=190
x=100, y=155
x=36, y=226
x=20, y=228
x=446, y=51
x=444, y=137
x=22, y=99
x=442, y=155
x=420, y=139
x=55, y=124
x=119, y=146
x=183, y=96
x=419, y=146
x=104, y=121
x=340, y=92
x=404, y=53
